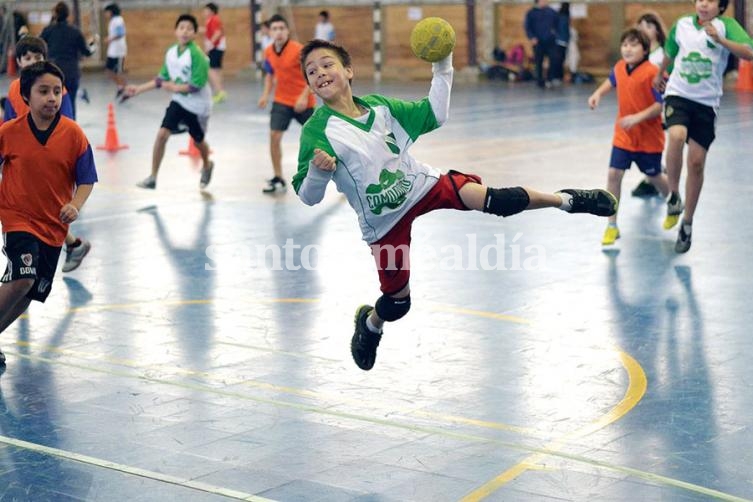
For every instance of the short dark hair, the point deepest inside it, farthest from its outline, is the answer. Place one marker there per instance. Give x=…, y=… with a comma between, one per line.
x=113, y=8
x=213, y=7
x=31, y=74
x=277, y=19
x=31, y=44
x=723, y=6
x=638, y=36
x=190, y=19
x=339, y=51
x=324, y=14
x=61, y=11
x=651, y=18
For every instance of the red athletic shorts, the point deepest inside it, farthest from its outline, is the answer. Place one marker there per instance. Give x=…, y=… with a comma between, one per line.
x=392, y=252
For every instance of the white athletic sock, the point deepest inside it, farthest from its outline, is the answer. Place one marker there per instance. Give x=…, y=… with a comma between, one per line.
x=567, y=201
x=687, y=228
x=371, y=326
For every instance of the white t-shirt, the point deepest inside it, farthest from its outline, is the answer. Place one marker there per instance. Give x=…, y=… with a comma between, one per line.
x=116, y=48
x=325, y=31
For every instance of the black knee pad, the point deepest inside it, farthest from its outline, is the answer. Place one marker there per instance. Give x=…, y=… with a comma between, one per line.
x=391, y=309
x=505, y=201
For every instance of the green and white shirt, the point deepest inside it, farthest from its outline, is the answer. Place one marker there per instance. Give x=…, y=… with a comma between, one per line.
x=189, y=66
x=374, y=170
x=699, y=61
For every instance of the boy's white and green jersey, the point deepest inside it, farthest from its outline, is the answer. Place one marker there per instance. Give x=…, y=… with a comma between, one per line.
x=699, y=61
x=189, y=66
x=380, y=179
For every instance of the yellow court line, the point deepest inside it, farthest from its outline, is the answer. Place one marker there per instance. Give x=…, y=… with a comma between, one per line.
x=135, y=471
x=402, y=426
x=637, y=384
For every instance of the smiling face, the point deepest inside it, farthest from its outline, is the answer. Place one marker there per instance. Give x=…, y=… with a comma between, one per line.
x=185, y=32
x=326, y=75
x=45, y=96
x=706, y=10
x=632, y=51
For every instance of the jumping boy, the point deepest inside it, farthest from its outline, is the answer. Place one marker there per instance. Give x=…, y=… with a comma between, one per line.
x=30, y=50
x=40, y=193
x=361, y=144
x=699, y=45
x=292, y=97
x=184, y=73
x=638, y=133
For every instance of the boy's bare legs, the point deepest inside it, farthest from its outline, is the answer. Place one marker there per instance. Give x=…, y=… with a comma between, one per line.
x=215, y=81
x=207, y=165
x=158, y=152
x=275, y=151
x=614, y=185
x=661, y=183
x=694, y=182
x=13, y=300
x=473, y=196
x=677, y=135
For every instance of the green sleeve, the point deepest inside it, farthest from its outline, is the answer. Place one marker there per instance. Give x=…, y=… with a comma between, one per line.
x=199, y=66
x=670, y=46
x=416, y=117
x=735, y=32
x=163, y=73
x=312, y=137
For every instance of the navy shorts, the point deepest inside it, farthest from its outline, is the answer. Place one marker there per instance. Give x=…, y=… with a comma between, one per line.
x=700, y=120
x=30, y=258
x=115, y=65
x=215, y=58
x=178, y=120
x=648, y=163
x=281, y=116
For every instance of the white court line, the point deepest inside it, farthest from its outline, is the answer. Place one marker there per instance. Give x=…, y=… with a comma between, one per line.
x=135, y=471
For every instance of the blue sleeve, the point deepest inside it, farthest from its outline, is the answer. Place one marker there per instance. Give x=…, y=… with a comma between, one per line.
x=268, y=67
x=527, y=25
x=612, y=78
x=8, y=112
x=66, y=107
x=86, y=172
x=657, y=95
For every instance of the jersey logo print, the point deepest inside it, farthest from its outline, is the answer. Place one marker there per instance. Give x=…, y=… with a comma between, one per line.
x=390, y=193
x=695, y=68
x=392, y=143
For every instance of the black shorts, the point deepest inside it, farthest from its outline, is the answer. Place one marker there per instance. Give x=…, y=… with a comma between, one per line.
x=700, y=120
x=178, y=120
x=115, y=65
x=215, y=58
x=30, y=258
x=281, y=116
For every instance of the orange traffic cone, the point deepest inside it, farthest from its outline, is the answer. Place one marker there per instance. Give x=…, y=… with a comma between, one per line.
x=744, y=76
x=111, y=136
x=192, y=151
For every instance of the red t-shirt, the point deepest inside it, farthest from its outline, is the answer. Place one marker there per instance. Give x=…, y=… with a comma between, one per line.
x=214, y=25
x=39, y=179
x=286, y=69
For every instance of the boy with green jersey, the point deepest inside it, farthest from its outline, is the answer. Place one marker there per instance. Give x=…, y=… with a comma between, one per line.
x=361, y=143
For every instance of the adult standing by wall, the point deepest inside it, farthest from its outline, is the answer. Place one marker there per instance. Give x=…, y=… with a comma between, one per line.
x=65, y=46
x=214, y=45
x=117, y=47
x=561, y=41
x=540, y=26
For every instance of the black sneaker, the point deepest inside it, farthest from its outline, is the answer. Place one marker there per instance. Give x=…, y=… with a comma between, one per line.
x=364, y=343
x=275, y=184
x=682, y=245
x=2, y=358
x=644, y=189
x=597, y=201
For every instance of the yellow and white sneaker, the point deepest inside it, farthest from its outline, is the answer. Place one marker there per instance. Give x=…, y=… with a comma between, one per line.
x=611, y=234
x=674, y=209
x=220, y=97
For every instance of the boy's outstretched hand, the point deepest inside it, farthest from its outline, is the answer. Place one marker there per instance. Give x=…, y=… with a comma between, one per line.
x=68, y=213
x=323, y=160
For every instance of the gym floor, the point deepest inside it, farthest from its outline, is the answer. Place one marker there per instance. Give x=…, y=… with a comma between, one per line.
x=184, y=360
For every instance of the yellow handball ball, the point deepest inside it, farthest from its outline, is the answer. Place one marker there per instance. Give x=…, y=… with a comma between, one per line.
x=432, y=39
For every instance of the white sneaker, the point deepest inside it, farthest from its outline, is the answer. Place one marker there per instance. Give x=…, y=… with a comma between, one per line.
x=74, y=256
